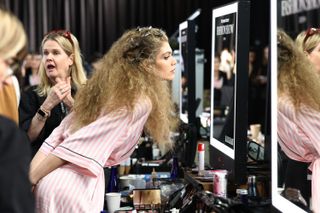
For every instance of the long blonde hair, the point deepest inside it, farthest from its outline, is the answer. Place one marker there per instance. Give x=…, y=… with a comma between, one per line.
x=13, y=38
x=296, y=75
x=125, y=73
x=70, y=45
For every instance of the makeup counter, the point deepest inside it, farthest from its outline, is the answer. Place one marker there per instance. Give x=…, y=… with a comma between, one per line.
x=172, y=187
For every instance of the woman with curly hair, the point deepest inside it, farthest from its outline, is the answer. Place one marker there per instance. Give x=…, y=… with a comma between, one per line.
x=299, y=109
x=128, y=93
x=42, y=107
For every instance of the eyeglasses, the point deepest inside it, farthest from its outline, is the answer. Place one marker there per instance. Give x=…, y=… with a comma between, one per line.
x=310, y=32
x=16, y=62
x=64, y=33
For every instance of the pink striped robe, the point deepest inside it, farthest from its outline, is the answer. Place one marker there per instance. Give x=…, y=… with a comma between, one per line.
x=299, y=137
x=78, y=186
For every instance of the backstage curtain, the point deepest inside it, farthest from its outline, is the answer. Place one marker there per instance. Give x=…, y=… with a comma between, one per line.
x=98, y=23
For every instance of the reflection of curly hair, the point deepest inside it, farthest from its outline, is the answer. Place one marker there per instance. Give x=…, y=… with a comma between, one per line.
x=125, y=73
x=297, y=77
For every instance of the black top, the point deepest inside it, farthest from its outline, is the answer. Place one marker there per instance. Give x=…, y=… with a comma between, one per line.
x=217, y=92
x=15, y=193
x=29, y=104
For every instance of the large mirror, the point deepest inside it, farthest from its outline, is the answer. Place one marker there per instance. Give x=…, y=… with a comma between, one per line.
x=224, y=35
x=229, y=88
x=294, y=149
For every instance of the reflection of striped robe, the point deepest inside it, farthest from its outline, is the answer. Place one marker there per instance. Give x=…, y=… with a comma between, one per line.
x=299, y=138
x=78, y=186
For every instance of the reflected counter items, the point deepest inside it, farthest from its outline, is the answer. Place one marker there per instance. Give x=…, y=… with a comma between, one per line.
x=220, y=183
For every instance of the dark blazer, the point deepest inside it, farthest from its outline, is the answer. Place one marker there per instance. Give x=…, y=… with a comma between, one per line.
x=15, y=187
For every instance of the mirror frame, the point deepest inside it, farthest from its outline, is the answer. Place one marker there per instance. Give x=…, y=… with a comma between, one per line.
x=217, y=13
x=278, y=200
x=234, y=159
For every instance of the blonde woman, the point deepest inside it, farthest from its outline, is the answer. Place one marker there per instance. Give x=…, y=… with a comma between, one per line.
x=299, y=110
x=309, y=42
x=15, y=194
x=13, y=43
x=43, y=107
x=128, y=93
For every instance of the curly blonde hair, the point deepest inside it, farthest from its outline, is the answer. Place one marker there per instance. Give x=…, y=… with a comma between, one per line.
x=70, y=45
x=296, y=75
x=125, y=73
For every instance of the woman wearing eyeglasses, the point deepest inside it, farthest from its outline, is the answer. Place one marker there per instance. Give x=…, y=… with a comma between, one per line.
x=43, y=107
x=127, y=93
x=12, y=50
x=299, y=110
x=309, y=42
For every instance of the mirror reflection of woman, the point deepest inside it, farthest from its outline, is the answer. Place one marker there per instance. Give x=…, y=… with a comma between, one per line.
x=299, y=109
x=309, y=42
x=220, y=79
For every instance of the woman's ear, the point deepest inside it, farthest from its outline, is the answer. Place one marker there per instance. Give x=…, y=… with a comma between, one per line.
x=71, y=59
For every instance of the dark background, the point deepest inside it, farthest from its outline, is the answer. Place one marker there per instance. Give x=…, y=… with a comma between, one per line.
x=98, y=23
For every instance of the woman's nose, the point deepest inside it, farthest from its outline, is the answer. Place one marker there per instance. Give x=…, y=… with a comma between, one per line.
x=48, y=56
x=174, y=61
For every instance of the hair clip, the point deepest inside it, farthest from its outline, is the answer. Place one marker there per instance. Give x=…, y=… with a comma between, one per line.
x=64, y=33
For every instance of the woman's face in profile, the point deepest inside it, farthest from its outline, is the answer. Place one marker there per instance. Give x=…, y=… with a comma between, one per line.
x=165, y=62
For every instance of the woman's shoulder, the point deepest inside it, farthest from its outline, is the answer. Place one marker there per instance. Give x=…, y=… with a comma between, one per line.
x=30, y=94
x=32, y=90
x=143, y=102
x=284, y=100
x=286, y=106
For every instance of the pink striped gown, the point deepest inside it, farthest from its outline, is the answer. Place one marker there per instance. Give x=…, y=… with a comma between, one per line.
x=78, y=186
x=299, y=137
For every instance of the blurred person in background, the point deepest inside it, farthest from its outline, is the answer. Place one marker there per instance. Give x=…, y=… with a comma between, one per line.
x=30, y=76
x=12, y=51
x=15, y=194
x=61, y=73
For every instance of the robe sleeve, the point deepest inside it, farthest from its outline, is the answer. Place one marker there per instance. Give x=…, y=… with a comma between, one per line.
x=57, y=135
x=88, y=146
x=309, y=120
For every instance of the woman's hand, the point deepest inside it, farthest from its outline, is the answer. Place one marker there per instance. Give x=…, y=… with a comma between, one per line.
x=33, y=181
x=58, y=93
x=68, y=100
